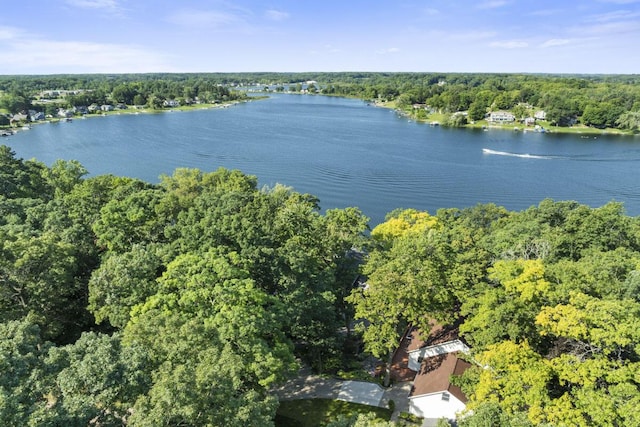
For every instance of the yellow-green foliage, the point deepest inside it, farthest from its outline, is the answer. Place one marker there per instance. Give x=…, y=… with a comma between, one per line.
x=522, y=277
x=516, y=377
x=610, y=325
x=405, y=222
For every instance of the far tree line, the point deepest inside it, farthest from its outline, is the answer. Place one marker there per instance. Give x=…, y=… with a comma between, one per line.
x=602, y=101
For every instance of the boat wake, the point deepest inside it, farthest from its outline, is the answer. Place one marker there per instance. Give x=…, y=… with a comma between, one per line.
x=524, y=156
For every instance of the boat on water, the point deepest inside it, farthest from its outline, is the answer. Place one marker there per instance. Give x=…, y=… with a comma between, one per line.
x=520, y=155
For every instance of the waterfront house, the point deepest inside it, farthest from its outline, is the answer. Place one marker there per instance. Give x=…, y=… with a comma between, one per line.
x=529, y=121
x=172, y=103
x=106, y=107
x=540, y=115
x=501, y=117
x=19, y=117
x=36, y=115
x=64, y=114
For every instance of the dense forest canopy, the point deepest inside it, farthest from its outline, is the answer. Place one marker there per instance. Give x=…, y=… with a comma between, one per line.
x=548, y=299
x=180, y=303
x=598, y=101
x=185, y=302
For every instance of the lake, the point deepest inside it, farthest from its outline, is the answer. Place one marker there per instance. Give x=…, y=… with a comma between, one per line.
x=350, y=154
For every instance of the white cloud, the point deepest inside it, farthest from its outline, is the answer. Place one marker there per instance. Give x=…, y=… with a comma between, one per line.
x=25, y=53
x=93, y=4
x=431, y=12
x=206, y=18
x=509, y=44
x=555, y=42
x=545, y=12
x=620, y=1
x=472, y=35
x=617, y=15
x=609, y=28
x=387, y=51
x=332, y=49
x=494, y=4
x=9, y=33
x=276, y=15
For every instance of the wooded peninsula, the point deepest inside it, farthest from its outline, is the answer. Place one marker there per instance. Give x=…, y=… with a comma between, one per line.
x=188, y=302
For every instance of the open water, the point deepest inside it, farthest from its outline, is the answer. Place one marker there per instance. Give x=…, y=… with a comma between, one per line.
x=350, y=154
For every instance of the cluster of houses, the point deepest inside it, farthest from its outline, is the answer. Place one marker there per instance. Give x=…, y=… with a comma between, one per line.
x=58, y=93
x=500, y=117
x=494, y=117
x=62, y=113
x=66, y=113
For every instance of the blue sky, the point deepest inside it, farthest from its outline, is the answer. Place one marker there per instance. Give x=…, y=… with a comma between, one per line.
x=118, y=36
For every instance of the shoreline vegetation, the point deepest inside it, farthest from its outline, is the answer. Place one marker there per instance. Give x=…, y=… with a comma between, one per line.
x=437, y=119
x=587, y=105
x=440, y=119
x=7, y=130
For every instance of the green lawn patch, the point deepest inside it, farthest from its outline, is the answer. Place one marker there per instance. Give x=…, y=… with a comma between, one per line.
x=319, y=412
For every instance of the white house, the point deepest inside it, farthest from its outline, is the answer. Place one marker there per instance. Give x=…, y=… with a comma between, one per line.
x=65, y=114
x=540, y=115
x=433, y=357
x=432, y=394
x=501, y=117
x=36, y=115
x=171, y=103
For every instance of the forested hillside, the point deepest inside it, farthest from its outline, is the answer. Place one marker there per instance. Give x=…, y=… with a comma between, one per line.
x=183, y=303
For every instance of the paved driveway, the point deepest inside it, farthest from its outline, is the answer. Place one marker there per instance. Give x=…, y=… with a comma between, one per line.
x=361, y=392
x=308, y=386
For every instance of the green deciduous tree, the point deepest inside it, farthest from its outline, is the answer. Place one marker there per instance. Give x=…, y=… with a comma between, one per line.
x=37, y=277
x=629, y=120
x=23, y=389
x=130, y=220
x=121, y=282
x=406, y=281
x=97, y=380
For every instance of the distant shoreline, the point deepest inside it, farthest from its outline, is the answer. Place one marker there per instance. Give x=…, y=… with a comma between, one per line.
x=131, y=111
x=483, y=124
x=436, y=118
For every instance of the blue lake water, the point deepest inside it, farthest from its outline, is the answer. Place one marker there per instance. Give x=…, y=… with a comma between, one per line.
x=350, y=154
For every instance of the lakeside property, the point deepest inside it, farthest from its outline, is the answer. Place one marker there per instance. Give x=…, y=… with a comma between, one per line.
x=424, y=114
x=22, y=121
x=22, y=124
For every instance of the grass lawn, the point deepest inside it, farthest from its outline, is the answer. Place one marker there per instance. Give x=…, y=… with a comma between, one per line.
x=319, y=412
